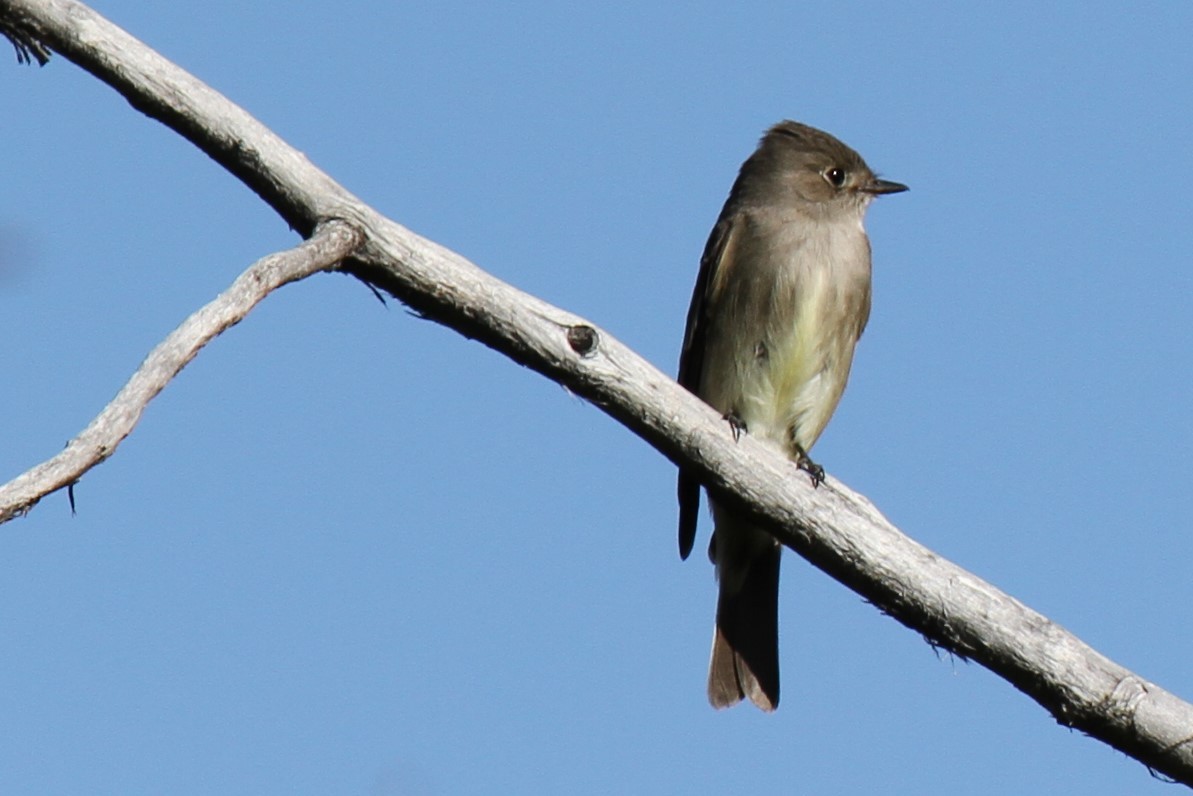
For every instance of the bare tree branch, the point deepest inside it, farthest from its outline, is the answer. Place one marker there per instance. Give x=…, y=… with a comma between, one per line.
x=833, y=527
x=331, y=243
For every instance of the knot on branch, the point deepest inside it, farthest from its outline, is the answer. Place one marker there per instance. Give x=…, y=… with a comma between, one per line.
x=583, y=339
x=1124, y=700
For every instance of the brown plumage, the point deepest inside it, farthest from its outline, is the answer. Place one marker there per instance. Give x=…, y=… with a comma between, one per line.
x=782, y=297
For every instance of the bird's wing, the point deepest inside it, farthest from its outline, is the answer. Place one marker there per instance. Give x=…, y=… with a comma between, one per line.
x=714, y=263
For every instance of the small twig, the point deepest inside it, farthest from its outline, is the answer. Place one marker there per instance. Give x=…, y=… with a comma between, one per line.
x=330, y=244
x=28, y=47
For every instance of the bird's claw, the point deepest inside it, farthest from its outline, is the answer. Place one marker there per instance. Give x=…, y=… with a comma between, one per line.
x=814, y=470
x=736, y=425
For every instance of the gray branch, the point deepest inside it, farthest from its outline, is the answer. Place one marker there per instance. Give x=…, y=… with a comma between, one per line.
x=331, y=243
x=833, y=527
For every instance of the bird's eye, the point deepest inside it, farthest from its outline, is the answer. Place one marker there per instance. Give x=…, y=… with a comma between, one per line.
x=835, y=177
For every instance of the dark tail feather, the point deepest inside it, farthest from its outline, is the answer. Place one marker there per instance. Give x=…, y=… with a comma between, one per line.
x=688, y=492
x=745, y=648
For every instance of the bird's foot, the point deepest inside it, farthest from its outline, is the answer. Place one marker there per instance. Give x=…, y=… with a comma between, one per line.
x=736, y=425
x=814, y=470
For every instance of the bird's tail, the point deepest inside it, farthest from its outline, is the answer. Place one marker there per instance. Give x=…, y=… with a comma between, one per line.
x=745, y=647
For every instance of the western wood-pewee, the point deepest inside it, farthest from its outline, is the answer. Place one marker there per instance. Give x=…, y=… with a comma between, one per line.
x=782, y=297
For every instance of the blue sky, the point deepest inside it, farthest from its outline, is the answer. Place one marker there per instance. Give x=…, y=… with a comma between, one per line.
x=349, y=551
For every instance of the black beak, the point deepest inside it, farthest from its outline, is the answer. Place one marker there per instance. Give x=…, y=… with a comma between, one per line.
x=879, y=187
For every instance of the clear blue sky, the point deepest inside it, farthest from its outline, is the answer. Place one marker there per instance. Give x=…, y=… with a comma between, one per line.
x=349, y=551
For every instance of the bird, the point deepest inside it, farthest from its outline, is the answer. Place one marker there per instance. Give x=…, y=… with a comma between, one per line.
x=781, y=298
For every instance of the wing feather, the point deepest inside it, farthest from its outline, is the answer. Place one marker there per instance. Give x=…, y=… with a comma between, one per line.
x=714, y=262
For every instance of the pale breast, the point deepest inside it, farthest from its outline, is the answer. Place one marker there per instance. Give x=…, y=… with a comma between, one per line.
x=788, y=313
